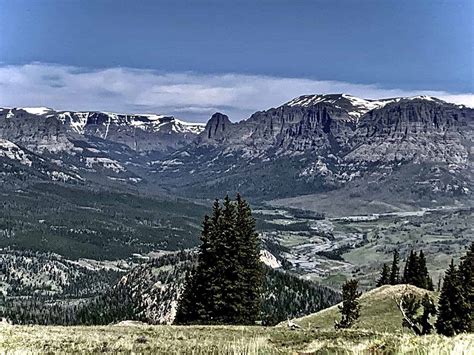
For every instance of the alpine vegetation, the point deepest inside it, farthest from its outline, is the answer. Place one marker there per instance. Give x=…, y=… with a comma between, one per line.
x=226, y=285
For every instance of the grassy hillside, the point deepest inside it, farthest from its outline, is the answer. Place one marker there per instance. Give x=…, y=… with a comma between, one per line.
x=378, y=312
x=219, y=340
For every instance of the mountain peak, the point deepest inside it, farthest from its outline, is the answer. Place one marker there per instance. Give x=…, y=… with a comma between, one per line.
x=217, y=126
x=356, y=107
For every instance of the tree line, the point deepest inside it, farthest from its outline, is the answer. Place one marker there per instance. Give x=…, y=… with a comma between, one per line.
x=415, y=272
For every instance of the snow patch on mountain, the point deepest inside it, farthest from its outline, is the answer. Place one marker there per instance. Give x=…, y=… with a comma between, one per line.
x=12, y=151
x=37, y=110
x=355, y=106
x=105, y=163
x=76, y=120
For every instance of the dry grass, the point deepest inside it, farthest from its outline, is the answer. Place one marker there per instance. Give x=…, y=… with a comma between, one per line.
x=220, y=340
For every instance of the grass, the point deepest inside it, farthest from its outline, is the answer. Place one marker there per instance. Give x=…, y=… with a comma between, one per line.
x=220, y=340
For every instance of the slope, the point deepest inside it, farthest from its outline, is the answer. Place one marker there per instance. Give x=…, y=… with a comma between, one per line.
x=379, y=311
x=149, y=293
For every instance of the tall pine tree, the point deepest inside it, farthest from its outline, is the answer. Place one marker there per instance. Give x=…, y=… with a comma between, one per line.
x=251, y=276
x=350, y=309
x=226, y=285
x=394, y=271
x=452, y=305
x=195, y=305
x=384, y=278
x=411, y=268
x=423, y=278
x=416, y=271
x=466, y=274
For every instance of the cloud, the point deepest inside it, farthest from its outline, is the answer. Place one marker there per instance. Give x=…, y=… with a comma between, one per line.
x=187, y=95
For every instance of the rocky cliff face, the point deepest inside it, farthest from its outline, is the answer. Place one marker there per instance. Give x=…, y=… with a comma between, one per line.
x=85, y=145
x=419, y=129
x=33, y=131
x=217, y=129
x=320, y=142
x=42, y=129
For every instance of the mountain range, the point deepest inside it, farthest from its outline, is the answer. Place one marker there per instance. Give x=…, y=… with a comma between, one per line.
x=417, y=150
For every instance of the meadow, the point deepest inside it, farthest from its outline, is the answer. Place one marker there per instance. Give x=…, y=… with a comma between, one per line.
x=221, y=340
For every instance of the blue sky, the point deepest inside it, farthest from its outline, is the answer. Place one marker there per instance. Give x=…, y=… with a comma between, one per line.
x=391, y=46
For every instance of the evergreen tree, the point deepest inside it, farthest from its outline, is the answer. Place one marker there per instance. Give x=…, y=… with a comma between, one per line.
x=251, y=276
x=411, y=269
x=226, y=285
x=350, y=309
x=228, y=306
x=195, y=303
x=394, y=271
x=422, y=278
x=416, y=271
x=384, y=276
x=466, y=274
x=452, y=305
x=186, y=310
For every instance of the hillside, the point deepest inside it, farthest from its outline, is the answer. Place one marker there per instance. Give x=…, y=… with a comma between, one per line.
x=378, y=312
x=148, y=293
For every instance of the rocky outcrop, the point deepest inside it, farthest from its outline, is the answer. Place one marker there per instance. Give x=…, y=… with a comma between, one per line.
x=217, y=128
x=417, y=130
x=35, y=132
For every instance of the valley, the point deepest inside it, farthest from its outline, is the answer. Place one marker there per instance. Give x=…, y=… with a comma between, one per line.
x=332, y=250
x=237, y=177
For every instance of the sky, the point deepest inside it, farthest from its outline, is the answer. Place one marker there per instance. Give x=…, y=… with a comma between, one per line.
x=192, y=58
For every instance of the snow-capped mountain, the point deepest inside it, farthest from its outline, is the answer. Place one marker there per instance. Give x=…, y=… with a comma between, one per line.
x=89, y=144
x=313, y=122
x=310, y=144
x=356, y=107
x=41, y=128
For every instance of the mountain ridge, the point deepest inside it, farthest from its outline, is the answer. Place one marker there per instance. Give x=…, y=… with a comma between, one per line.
x=312, y=143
